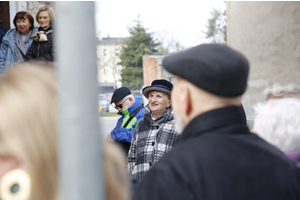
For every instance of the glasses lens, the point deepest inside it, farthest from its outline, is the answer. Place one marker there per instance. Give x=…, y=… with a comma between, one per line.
x=119, y=106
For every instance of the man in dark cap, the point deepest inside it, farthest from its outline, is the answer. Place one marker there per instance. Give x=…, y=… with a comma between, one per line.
x=217, y=157
x=131, y=112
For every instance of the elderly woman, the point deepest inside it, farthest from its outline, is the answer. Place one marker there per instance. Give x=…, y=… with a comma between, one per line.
x=17, y=41
x=42, y=46
x=155, y=134
x=278, y=122
x=28, y=138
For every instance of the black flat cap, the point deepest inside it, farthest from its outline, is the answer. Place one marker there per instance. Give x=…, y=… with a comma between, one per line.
x=161, y=85
x=119, y=94
x=215, y=68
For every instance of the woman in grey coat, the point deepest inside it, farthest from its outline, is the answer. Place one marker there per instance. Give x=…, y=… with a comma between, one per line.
x=155, y=134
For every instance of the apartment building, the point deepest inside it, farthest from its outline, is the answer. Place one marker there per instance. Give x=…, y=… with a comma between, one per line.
x=109, y=72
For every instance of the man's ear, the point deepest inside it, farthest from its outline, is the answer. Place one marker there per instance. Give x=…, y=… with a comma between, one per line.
x=131, y=99
x=186, y=99
x=188, y=102
x=240, y=97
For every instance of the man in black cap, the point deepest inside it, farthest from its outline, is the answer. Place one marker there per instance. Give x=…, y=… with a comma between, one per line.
x=217, y=157
x=131, y=112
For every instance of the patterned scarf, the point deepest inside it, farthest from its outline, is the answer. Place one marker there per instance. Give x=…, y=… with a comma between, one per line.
x=21, y=46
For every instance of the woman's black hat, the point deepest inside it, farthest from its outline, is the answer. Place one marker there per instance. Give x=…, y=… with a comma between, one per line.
x=161, y=85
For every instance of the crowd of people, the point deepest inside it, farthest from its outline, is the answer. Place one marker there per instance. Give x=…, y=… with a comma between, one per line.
x=26, y=42
x=191, y=141
x=207, y=151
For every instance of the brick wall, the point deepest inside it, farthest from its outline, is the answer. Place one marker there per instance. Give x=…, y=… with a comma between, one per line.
x=151, y=70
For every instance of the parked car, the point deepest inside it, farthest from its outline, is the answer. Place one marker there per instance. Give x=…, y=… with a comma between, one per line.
x=103, y=103
x=109, y=96
x=138, y=96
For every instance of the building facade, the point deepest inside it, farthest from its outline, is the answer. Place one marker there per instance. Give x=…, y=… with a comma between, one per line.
x=109, y=72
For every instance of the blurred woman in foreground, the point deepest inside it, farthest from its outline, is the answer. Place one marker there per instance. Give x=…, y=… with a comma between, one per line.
x=28, y=138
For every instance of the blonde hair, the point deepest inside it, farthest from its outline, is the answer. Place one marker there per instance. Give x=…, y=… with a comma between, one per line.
x=28, y=125
x=28, y=119
x=117, y=177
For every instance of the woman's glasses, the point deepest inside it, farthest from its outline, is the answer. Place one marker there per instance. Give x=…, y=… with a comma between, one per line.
x=120, y=105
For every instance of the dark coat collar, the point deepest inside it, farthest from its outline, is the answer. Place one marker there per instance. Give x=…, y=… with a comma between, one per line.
x=41, y=29
x=223, y=120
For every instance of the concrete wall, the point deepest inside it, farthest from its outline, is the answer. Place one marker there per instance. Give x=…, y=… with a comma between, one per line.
x=268, y=34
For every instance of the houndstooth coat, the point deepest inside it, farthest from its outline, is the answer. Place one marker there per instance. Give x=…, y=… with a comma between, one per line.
x=150, y=141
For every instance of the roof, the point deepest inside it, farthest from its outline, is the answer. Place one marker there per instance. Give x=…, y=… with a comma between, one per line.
x=111, y=40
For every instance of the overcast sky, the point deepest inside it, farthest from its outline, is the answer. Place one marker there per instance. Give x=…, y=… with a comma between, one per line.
x=182, y=20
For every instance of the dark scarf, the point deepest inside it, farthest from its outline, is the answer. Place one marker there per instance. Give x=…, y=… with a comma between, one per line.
x=45, y=29
x=21, y=46
x=166, y=116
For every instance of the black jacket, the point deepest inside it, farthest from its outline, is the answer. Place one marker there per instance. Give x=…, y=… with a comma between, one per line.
x=41, y=50
x=218, y=158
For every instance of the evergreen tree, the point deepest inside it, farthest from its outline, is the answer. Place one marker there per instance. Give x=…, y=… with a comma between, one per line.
x=139, y=43
x=132, y=77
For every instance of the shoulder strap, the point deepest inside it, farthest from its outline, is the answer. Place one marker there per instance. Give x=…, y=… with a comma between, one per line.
x=133, y=114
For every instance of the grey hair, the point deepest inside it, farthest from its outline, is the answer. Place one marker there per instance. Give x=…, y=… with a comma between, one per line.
x=278, y=91
x=128, y=96
x=278, y=122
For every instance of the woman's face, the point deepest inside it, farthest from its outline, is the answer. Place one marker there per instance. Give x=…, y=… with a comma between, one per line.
x=23, y=26
x=158, y=102
x=44, y=19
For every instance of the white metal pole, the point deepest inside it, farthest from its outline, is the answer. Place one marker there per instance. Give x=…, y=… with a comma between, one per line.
x=80, y=155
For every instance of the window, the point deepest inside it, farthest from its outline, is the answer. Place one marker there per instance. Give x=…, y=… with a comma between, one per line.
x=104, y=53
x=117, y=52
x=105, y=69
x=118, y=69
